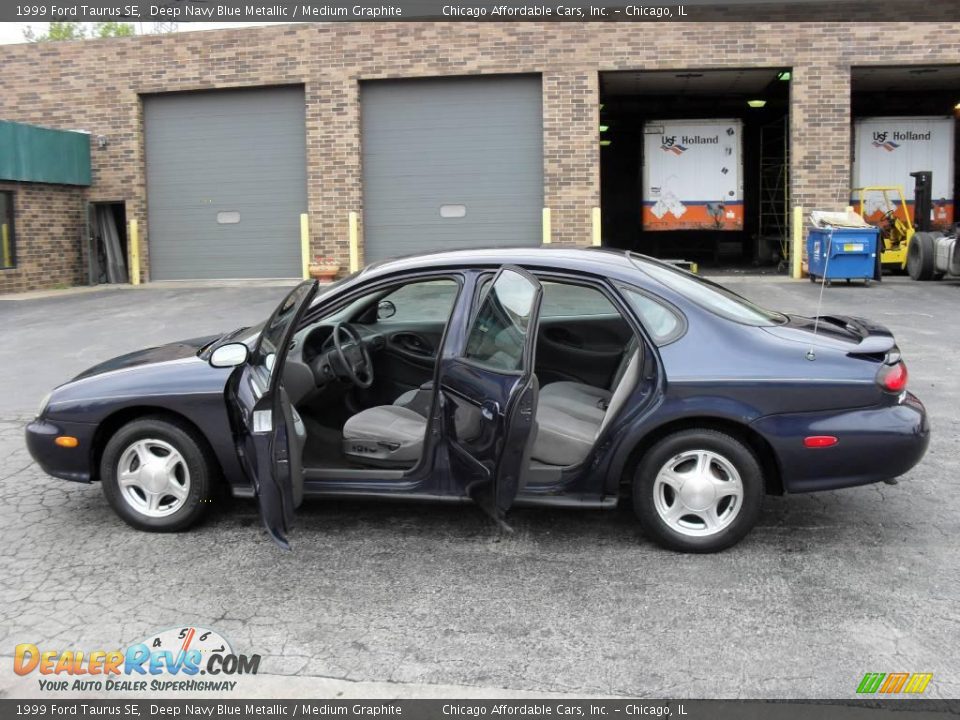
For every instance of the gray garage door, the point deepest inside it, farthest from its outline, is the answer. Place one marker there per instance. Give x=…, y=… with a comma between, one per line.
x=451, y=163
x=226, y=183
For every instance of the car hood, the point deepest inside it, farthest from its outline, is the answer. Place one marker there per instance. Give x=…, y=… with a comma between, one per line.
x=155, y=375
x=150, y=356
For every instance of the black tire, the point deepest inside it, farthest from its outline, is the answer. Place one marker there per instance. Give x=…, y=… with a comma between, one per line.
x=195, y=456
x=920, y=257
x=735, y=453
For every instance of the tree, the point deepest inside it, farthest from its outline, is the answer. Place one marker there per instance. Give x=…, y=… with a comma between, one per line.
x=79, y=31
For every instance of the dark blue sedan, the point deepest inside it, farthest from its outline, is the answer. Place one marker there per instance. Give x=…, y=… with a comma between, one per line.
x=560, y=377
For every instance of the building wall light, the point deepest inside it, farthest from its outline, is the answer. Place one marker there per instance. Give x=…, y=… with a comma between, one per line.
x=756, y=103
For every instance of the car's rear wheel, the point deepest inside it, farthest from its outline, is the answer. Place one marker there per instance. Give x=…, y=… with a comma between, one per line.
x=698, y=490
x=156, y=475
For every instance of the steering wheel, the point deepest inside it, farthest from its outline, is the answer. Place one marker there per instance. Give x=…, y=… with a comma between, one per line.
x=353, y=355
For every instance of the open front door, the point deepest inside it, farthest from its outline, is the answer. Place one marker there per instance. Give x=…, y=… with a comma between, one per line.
x=270, y=437
x=489, y=393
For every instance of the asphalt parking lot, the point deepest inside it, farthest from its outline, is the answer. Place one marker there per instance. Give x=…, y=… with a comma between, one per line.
x=826, y=588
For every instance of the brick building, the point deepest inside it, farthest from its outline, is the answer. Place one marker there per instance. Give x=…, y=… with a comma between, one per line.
x=217, y=180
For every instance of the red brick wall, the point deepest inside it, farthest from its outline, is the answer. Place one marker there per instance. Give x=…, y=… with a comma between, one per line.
x=48, y=226
x=95, y=85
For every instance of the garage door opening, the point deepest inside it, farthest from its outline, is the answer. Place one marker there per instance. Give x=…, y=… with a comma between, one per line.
x=905, y=121
x=694, y=163
x=107, y=248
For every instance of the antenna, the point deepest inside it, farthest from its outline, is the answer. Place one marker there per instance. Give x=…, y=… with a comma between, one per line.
x=811, y=354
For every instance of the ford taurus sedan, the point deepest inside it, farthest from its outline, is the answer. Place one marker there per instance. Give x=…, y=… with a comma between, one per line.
x=551, y=377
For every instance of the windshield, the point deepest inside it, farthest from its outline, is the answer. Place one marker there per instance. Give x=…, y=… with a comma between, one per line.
x=709, y=295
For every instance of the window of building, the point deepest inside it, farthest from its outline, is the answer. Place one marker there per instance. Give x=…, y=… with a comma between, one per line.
x=8, y=257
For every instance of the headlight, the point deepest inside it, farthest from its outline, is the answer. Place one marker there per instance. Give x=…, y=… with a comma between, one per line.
x=43, y=403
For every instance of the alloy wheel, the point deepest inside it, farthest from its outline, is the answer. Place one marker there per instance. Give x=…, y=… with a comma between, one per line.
x=698, y=493
x=153, y=477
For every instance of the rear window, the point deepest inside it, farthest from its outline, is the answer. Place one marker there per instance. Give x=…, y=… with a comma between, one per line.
x=709, y=295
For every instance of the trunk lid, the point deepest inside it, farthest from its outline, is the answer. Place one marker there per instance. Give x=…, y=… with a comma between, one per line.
x=853, y=335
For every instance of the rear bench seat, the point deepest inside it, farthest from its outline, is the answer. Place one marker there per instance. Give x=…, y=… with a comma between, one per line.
x=571, y=415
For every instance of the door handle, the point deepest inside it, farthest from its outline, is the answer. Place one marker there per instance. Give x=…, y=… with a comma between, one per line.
x=490, y=409
x=564, y=337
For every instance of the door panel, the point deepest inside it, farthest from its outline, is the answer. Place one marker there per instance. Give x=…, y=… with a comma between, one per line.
x=586, y=349
x=406, y=360
x=489, y=393
x=269, y=434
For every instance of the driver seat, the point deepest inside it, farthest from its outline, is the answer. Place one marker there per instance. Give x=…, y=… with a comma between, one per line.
x=385, y=436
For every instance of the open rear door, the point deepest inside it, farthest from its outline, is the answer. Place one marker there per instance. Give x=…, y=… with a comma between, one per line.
x=269, y=440
x=489, y=393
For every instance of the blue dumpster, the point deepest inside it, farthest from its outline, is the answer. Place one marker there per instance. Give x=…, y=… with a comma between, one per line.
x=842, y=253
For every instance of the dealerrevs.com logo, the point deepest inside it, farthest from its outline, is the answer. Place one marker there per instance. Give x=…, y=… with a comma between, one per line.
x=169, y=661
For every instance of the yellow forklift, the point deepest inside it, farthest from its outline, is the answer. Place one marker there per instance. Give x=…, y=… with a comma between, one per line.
x=911, y=244
x=908, y=243
x=896, y=229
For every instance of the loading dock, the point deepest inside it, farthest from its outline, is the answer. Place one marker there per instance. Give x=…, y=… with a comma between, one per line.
x=904, y=121
x=756, y=100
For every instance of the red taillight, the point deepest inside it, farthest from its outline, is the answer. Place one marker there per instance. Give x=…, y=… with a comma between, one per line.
x=819, y=441
x=893, y=378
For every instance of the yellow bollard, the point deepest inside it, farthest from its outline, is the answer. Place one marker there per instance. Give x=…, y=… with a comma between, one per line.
x=133, y=243
x=305, y=244
x=547, y=230
x=7, y=255
x=596, y=227
x=796, y=251
x=354, y=243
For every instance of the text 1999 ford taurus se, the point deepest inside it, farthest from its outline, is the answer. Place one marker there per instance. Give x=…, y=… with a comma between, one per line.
x=544, y=376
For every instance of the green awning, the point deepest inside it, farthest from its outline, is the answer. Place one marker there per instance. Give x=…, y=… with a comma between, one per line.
x=35, y=154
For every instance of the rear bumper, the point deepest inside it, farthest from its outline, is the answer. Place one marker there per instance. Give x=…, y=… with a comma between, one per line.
x=64, y=463
x=875, y=444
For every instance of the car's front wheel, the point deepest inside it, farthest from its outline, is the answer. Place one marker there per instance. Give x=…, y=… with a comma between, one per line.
x=156, y=475
x=698, y=490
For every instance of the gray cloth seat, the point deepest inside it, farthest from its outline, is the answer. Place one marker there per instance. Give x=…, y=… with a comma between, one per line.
x=571, y=415
x=387, y=435
x=420, y=399
x=587, y=401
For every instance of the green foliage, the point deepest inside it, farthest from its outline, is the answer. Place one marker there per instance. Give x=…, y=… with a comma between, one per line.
x=80, y=31
x=112, y=29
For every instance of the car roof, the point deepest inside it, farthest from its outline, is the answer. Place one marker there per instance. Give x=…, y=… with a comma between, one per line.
x=591, y=260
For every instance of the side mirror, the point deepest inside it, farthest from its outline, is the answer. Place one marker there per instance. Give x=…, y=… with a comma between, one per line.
x=229, y=355
x=386, y=309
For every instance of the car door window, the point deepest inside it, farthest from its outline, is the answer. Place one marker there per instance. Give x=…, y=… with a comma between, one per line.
x=427, y=301
x=497, y=337
x=568, y=299
x=264, y=359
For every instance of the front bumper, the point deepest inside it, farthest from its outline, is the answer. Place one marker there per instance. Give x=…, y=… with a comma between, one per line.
x=874, y=444
x=74, y=464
